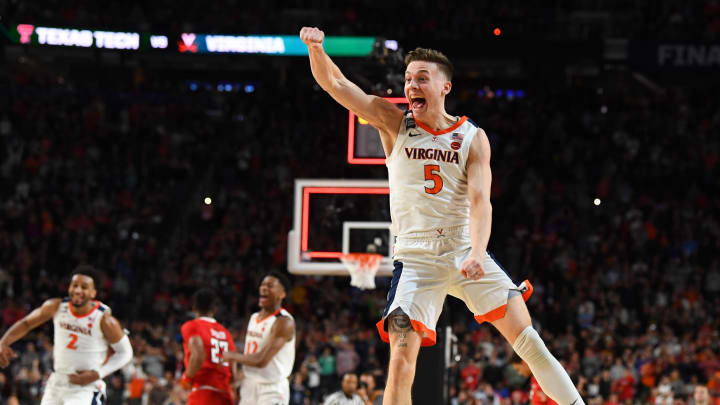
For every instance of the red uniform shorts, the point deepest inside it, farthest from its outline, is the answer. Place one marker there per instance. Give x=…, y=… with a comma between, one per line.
x=208, y=397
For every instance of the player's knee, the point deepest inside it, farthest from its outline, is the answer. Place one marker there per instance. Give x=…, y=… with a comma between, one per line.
x=530, y=346
x=402, y=364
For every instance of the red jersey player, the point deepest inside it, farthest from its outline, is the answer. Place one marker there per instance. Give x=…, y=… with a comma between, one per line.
x=537, y=396
x=205, y=341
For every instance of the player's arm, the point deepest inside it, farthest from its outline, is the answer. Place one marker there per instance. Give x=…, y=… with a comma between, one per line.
x=281, y=332
x=197, y=356
x=479, y=178
x=381, y=114
x=19, y=329
x=122, y=353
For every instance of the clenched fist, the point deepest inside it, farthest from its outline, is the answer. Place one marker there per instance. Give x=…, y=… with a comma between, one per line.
x=472, y=268
x=312, y=36
x=6, y=355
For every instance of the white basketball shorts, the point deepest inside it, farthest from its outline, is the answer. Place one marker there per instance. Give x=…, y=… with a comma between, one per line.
x=59, y=391
x=427, y=268
x=254, y=392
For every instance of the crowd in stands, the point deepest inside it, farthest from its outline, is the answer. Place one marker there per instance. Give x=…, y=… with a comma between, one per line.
x=556, y=19
x=605, y=196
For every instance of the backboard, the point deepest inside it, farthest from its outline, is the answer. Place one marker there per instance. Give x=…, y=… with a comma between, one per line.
x=336, y=216
x=364, y=146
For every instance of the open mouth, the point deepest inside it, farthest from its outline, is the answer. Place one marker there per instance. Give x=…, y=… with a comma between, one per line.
x=417, y=102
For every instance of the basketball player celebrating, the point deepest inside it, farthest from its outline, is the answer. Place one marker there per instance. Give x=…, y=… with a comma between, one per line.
x=83, y=328
x=269, y=347
x=204, y=341
x=439, y=176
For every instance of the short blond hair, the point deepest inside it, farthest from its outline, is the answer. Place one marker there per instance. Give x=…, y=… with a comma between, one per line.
x=431, y=55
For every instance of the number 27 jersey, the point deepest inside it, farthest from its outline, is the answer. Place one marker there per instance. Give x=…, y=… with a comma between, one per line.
x=216, y=340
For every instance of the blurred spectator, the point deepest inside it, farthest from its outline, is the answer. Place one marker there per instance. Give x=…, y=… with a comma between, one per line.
x=314, y=371
x=701, y=396
x=298, y=390
x=115, y=390
x=368, y=389
x=347, y=359
x=348, y=394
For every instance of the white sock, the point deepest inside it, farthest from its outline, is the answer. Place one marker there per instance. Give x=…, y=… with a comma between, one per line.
x=548, y=372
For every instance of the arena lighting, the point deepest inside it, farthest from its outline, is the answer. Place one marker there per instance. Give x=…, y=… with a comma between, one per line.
x=391, y=44
x=510, y=94
x=306, y=213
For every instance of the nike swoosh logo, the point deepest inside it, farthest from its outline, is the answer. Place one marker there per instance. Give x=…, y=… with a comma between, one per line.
x=412, y=134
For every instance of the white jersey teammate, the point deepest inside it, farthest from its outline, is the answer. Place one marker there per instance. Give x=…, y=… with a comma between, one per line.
x=84, y=329
x=269, y=347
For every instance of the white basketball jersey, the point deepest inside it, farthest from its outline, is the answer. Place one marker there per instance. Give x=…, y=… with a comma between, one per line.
x=79, y=342
x=428, y=177
x=257, y=336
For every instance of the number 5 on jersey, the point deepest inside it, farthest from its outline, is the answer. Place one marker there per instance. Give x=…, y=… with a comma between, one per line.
x=216, y=351
x=431, y=173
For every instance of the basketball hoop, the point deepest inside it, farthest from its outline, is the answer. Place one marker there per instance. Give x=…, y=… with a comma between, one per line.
x=362, y=268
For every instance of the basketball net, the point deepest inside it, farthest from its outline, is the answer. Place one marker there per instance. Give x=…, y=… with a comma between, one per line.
x=362, y=268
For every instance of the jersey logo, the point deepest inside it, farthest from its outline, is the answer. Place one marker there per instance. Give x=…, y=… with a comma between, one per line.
x=457, y=136
x=409, y=122
x=411, y=134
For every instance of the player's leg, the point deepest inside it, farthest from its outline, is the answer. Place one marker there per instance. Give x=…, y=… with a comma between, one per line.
x=415, y=300
x=404, y=347
x=517, y=328
x=496, y=299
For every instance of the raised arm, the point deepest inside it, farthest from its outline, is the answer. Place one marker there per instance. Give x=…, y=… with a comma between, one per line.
x=19, y=329
x=281, y=332
x=380, y=113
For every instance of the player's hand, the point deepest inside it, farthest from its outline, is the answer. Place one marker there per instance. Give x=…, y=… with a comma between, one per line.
x=185, y=382
x=312, y=36
x=472, y=268
x=84, y=377
x=6, y=355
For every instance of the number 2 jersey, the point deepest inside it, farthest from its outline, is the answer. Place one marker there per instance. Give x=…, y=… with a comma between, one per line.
x=79, y=342
x=216, y=340
x=428, y=177
x=258, y=335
